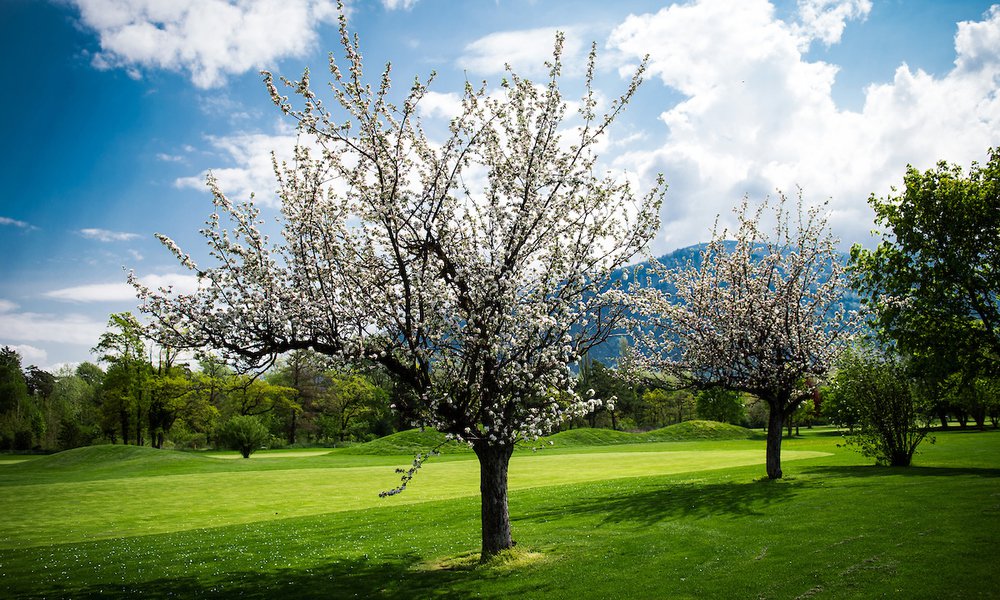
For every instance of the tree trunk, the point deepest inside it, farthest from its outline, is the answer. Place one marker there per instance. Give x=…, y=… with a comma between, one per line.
x=123, y=420
x=493, y=462
x=775, y=429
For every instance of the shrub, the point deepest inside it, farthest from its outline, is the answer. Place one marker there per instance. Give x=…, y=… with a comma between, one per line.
x=244, y=433
x=873, y=388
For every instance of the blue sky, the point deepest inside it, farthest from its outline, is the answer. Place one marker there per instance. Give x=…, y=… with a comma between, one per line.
x=114, y=110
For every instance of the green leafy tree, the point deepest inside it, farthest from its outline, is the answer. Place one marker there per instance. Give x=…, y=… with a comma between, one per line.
x=21, y=422
x=933, y=282
x=244, y=433
x=125, y=391
x=878, y=392
x=598, y=381
x=719, y=404
x=307, y=372
x=13, y=387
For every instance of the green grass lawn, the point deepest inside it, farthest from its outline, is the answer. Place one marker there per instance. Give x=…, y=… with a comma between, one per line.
x=686, y=519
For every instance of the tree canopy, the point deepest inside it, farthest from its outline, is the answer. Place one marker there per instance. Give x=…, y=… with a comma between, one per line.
x=932, y=283
x=475, y=268
x=763, y=315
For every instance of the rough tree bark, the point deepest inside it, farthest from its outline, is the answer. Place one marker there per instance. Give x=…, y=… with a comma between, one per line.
x=775, y=431
x=493, y=463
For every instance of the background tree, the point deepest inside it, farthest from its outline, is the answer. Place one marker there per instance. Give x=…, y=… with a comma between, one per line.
x=13, y=387
x=125, y=390
x=720, y=404
x=475, y=269
x=20, y=421
x=932, y=283
x=304, y=371
x=596, y=379
x=244, y=433
x=76, y=400
x=885, y=409
x=762, y=315
x=41, y=385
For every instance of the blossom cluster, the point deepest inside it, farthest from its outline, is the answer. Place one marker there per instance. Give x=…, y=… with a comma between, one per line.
x=762, y=313
x=476, y=269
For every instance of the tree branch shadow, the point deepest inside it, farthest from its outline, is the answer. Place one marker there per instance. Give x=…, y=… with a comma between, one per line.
x=911, y=471
x=668, y=501
x=395, y=577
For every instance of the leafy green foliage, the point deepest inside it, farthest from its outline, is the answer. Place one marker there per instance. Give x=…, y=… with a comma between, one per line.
x=720, y=404
x=933, y=283
x=244, y=433
x=874, y=389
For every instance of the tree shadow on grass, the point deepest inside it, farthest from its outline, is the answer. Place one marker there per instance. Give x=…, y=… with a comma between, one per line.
x=668, y=501
x=880, y=471
x=356, y=578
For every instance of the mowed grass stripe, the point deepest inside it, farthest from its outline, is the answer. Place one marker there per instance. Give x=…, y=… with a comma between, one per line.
x=40, y=514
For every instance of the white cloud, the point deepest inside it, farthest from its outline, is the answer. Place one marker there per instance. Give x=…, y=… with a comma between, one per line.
x=122, y=291
x=104, y=235
x=526, y=50
x=437, y=104
x=16, y=223
x=164, y=157
x=252, y=171
x=398, y=4
x=824, y=20
x=759, y=116
x=208, y=39
x=31, y=355
x=34, y=327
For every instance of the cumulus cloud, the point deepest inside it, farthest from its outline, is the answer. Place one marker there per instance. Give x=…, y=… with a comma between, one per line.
x=207, y=39
x=121, y=291
x=251, y=170
x=440, y=105
x=758, y=115
x=104, y=235
x=825, y=20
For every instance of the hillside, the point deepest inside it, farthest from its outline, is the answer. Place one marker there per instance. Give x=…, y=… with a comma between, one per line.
x=416, y=440
x=608, y=352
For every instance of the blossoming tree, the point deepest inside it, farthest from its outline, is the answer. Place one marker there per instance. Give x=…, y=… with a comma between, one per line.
x=762, y=314
x=476, y=269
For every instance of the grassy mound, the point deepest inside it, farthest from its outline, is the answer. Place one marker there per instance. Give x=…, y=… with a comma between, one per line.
x=414, y=440
x=590, y=437
x=410, y=442
x=107, y=462
x=698, y=430
x=113, y=456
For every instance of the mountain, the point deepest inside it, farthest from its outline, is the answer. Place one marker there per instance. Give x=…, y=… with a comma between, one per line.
x=608, y=352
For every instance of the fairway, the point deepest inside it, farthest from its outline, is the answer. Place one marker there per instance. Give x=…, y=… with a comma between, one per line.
x=39, y=514
x=646, y=520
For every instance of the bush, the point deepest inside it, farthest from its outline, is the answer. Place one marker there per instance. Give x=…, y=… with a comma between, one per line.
x=874, y=390
x=244, y=433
